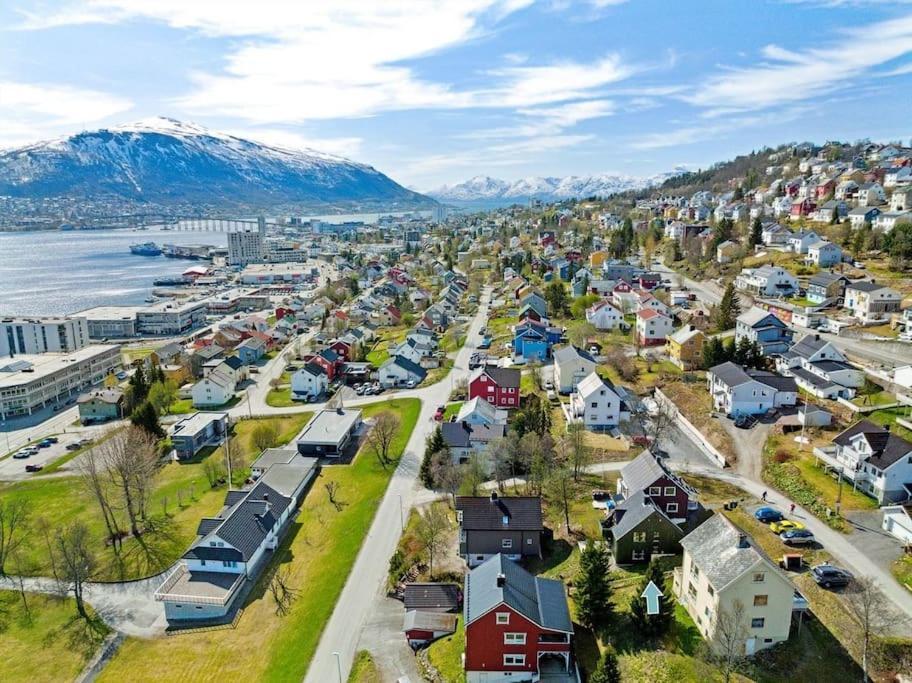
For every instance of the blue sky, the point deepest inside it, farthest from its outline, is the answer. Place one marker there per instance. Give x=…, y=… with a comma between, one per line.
x=435, y=93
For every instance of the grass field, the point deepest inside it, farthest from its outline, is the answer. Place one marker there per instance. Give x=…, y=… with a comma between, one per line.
x=54, y=645
x=364, y=670
x=451, y=410
x=280, y=398
x=181, y=406
x=446, y=654
x=60, y=500
x=318, y=554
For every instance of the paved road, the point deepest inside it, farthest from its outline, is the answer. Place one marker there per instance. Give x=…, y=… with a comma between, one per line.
x=364, y=591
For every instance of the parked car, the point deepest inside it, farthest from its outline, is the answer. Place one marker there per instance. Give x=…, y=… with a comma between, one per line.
x=745, y=421
x=785, y=525
x=45, y=443
x=827, y=575
x=410, y=384
x=768, y=515
x=34, y=468
x=22, y=455
x=797, y=537
x=52, y=439
x=73, y=447
x=858, y=264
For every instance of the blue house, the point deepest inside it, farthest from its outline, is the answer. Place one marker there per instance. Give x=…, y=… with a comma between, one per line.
x=531, y=344
x=561, y=268
x=251, y=350
x=771, y=334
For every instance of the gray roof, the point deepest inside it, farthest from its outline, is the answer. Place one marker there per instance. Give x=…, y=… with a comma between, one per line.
x=459, y=435
x=733, y=375
x=635, y=510
x=429, y=621
x=542, y=601
x=826, y=279
x=570, y=353
x=486, y=513
x=438, y=596
x=865, y=286
x=288, y=477
x=887, y=447
x=811, y=378
x=329, y=426
x=754, y=315
x=721, y=550
x=274, y=455
x=642, y=471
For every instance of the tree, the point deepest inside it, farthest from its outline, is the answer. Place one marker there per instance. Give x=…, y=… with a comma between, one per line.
x=146, y=418
x=473, y=475
x=872, y=615
x=581, y=303
x=162, y=395
x=561, y=490
x=652, y=625
x=728, y=310
x=138, y=386
x=556, y=296
x=381, y=436
x=92, y=470
x=433, y=444
x=608, y=670
x=130, y=460
x=265, y=435
x=592, y=587
x=713, y=352
x=445, y=473
x=14, y=522
x=77, y=562
x=756, y=235
x=580, y=331
x=727, y=650
x=432, y=528
x=577, y=450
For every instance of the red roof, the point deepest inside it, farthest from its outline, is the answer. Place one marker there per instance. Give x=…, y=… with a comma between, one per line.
x=647, y=313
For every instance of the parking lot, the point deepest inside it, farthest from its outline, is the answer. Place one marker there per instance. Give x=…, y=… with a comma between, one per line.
x=13, y=469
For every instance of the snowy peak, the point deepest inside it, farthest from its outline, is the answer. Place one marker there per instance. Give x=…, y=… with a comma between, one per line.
x=485, y=188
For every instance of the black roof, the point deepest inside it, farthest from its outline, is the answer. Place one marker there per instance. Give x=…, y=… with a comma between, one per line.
x=483, y=513
x=504, y=377
x=432, y=596
x=459, y=435
x=887, y=447
x=234, y=362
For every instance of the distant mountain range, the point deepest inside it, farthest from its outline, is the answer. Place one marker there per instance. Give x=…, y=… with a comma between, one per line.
x=168, y=163
x=487, y=190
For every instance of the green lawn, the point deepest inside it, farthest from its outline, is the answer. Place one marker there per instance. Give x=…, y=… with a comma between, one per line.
x=887, y=417
x=181, y=496
x=378, y=356
x=281, y=398
x=880, y=398
x=902, y=570
x=318, y=554
x=451, y=410
x=446, y=654
x=364, y=669
x=181, y=406
x=54, y=645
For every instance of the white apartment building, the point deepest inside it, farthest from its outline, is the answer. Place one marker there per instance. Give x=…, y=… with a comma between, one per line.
x=246, y=247
x=42, y=335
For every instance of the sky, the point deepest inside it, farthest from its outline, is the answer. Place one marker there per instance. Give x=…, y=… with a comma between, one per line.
x=434, y=93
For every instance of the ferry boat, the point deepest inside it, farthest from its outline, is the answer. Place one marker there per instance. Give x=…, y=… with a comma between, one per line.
x=146, y=249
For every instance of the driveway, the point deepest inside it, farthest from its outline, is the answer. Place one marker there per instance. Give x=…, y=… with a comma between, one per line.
x=382, y=636
x=869, y=537
x=748, y=445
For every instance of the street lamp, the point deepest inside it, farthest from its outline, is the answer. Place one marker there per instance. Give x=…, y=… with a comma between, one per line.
x=338, y=664
x=401, y=515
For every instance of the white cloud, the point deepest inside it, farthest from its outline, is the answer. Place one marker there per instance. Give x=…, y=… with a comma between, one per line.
x=33, y=110
x=792, y=76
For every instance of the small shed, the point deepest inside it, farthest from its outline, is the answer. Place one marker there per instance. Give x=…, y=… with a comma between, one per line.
x=422, y=628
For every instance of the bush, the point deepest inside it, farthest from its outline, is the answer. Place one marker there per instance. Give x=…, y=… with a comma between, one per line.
x=783, y=455
x=787, y=478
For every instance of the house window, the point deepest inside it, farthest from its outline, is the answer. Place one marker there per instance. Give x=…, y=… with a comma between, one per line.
x=757, y=622
x=655, y=490
x=669, y=490
x=528, y=541
x=506, y=543
x=638, y=555
x=692, y=591
x=503, y=617
x=514, y=638
x=694, y=569
x=710, y=590
x=639, y=536
x=759, y=577
x=514, y=660
x=505, y=520
x=760, y=600
x=671, y=507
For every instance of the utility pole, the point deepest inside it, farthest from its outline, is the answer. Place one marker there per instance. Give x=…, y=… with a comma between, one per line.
x=228, y=455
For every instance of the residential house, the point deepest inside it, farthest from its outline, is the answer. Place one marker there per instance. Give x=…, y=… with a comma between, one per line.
x=250, y=350
x=897, y=521
x=767, y=281
x=685, y=347
x=888, y=220
x=309, y=382
x=571, y=365
x=214, y=390
x=863, y=214
x=516, y=624
x=190, y=434
x=737, y=391
x=820, y=368
x=432, y=597
x=723, y=572
x=638, y=529
x=329, y=433
x=399, y=371
x=414, y=349
x=498, y=386
x=824, y=288
x=531, y=341
x=203, y=355
x=596, y=405
x=648, y=474
x=799, y=242
x=765, y=329
x=493, y=525
x=901, y=199
x=273, y=456
x=101, y=405
x=422, y=627
x=479, y=412
x=652, y=327
x=824, y=254
x=870, y=194
x=464, y=439
x=774, y=235
x=874, y=459
x=870, y=302
x=727, y=251
x=604, y=316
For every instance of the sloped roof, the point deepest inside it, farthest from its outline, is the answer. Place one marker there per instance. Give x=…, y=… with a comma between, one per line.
x=431, y=596
x=503, y=377
x=642, y=471
x=542, y=601
x=486, y=513
x=478, y=405
x=570, y=354
x=461, y=435
x=592, y=383
x=635, y=510
x=886, y=446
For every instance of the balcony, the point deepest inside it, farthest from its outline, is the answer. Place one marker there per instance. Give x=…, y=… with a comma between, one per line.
x=199, y=588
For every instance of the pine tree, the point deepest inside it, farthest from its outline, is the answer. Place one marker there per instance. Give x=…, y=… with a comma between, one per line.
x=146, y=418
x=434, y=443
x=652, y=625
x=139, y=386
x=713, y=353
x=607, y=670
x=743, y=352
x=592, y=591
x=728, y=310
x=756, y=236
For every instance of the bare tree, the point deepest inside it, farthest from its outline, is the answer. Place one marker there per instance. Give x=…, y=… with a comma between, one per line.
x=91, y=468
x=576, y=449
x=213, y=471
x=872, y=614
x=14, y=520
x=332, y=488
x=77, y=562
x=130, y=458
x=265, y=435
x=381, y=436
x=283, y=594
x=22, y=568
x=445, y=472
x=45, y=528
x=727, y=648
x=433, y=525
x=658, y=426
x=561, y=490
x=473, y=474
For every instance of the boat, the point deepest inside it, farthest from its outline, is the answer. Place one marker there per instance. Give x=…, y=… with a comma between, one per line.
x=170, y=282
x=146, y=249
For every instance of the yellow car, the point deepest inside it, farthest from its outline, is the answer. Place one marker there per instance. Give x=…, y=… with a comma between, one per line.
x=785, y=525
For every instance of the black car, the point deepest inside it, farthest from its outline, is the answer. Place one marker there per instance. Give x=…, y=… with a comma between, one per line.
x=34, y=468
x=827, y=576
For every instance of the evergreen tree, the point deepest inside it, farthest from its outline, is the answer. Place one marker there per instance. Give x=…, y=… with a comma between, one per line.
x=139, y=386
x=593, y=587
x=607, y=670
x=434, y=443
x=743, y=351
x=652, y=625
x=556, y=296
x=713, y=353
x=756, y=236
x=147, y=418
x=728, y=310
x=756, y=358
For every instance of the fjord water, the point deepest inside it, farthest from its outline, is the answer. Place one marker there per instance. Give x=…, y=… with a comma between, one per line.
x=55, y=273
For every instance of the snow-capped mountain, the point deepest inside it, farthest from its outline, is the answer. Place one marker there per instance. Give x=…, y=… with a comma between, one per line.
x=167, y=163
x=491, y=190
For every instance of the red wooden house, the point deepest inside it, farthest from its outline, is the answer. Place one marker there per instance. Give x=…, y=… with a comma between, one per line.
x=325, y=360
x=517, y=626
x=343, y=348
x=498, y=386
x=825, y=188
x=805, y=207
x=669, y=492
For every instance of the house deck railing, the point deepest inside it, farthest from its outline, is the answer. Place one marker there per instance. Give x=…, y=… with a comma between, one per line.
x=164, y=591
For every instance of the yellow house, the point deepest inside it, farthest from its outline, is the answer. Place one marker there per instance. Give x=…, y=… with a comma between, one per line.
x=685, y=348
x=597, y=259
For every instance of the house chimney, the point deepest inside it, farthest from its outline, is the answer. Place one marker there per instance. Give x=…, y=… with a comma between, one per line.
x=501, y=580
x=493, y=496
x=816, y=337
x=742, y=541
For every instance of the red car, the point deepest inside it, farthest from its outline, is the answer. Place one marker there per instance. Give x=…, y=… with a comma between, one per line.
x=641, y=440
x=439, y=414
